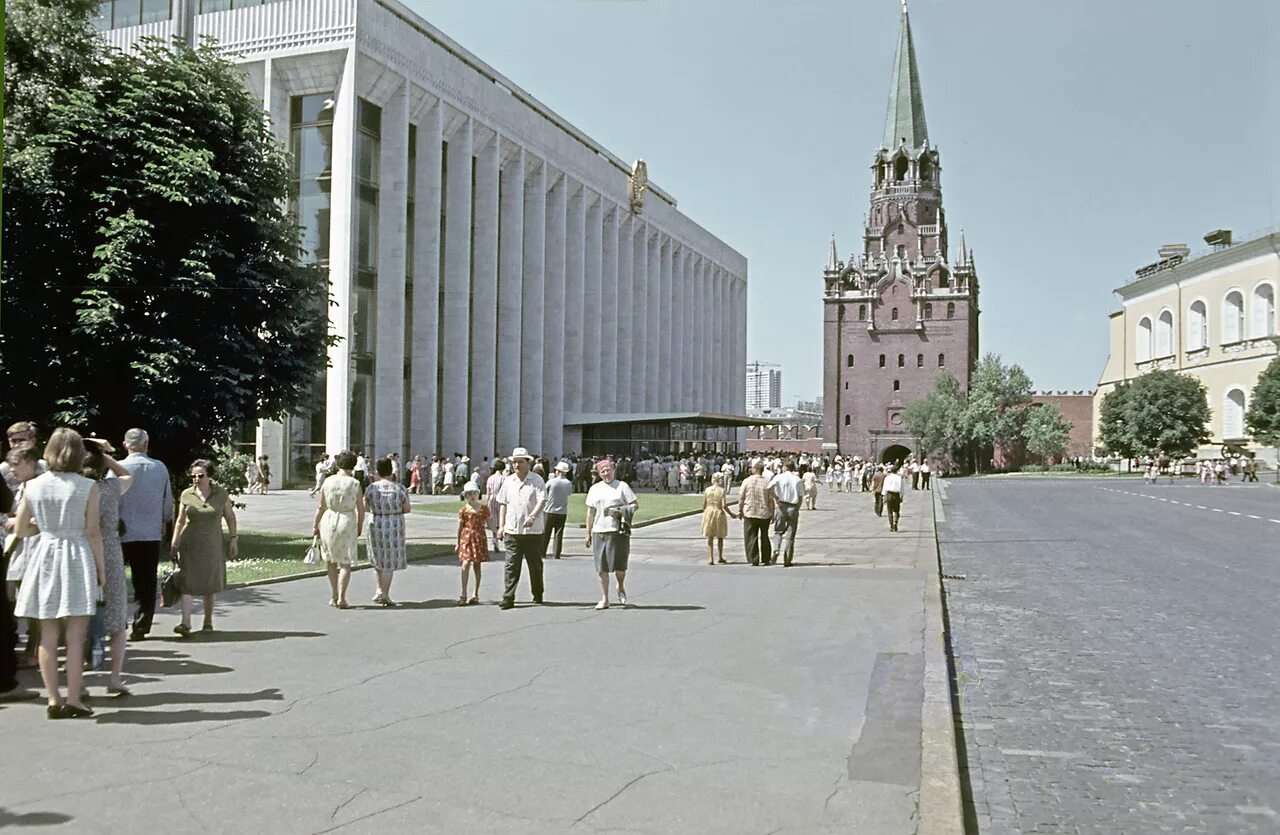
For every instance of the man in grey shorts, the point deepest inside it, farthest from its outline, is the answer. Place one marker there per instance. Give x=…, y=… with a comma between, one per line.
x=610, y=505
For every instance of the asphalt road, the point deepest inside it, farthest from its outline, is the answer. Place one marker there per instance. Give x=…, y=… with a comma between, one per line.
x=1115, y=650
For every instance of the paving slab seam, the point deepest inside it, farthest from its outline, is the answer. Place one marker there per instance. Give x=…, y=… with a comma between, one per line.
x=941, y=805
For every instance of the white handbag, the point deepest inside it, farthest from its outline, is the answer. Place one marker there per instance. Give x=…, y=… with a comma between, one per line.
x=313, y=553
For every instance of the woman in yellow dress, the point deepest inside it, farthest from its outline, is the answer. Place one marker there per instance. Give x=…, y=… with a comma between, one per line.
x=339, y=523
x=715, y=518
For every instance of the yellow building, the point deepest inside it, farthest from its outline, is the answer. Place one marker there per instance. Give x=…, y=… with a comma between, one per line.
x=1212, y=316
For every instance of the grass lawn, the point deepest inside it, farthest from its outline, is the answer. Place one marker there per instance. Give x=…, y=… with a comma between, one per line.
x=268, y=555
x=652, y=505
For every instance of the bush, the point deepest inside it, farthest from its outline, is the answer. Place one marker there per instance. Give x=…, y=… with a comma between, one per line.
x=1063, y=468
x=1032, y=468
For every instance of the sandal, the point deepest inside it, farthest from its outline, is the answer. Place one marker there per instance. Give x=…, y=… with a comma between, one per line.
x=182, y=629
x=462, y=601
x=474, y=601
x=208, y=627
x=342, y=604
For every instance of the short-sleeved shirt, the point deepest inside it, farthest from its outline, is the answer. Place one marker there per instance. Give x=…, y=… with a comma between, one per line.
x=520, y=498
x=755, y=498
x=606, y=495
x=559, y=489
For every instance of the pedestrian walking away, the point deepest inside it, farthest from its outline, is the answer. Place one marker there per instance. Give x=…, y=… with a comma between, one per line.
x=521, y=500
x=877, y=489
x=559, y=489
x=756, y=507
x=786, y=488
x=715, y=518
x=339, y=522
x=610, y=506
x=892, y=490
x=147, y=512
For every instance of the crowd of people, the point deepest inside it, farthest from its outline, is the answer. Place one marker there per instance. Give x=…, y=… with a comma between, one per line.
x=76, y=516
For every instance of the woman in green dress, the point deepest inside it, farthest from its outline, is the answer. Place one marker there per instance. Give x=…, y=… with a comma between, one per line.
x=198, y=547
x=339, y=523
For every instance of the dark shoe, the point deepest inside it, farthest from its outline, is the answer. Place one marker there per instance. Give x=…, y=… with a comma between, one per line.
x=507, y=604
x=135, y=635
x=55, y=712
x=182, y=629
x=538, y=600
x=208, y=627
x=73, y=712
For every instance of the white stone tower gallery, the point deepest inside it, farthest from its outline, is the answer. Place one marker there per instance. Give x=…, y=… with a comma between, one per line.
x=495, y=282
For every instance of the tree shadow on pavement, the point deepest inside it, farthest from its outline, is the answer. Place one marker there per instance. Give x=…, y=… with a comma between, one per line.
x=237, y=636
x=8, y=818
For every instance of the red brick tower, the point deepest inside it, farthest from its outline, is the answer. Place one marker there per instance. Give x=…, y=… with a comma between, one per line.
x=899, y=313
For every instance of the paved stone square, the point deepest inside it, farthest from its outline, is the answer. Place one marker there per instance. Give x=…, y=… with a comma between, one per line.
x=729, y=698
x=1115, y=646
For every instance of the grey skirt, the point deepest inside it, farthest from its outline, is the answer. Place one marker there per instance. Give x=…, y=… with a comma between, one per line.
x=611, y=551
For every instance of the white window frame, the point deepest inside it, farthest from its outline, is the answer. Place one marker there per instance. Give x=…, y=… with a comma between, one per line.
x=1197, y=341
x=1145, y=339
x=1263, y=324
x=1233, y=326
x=1227, y=406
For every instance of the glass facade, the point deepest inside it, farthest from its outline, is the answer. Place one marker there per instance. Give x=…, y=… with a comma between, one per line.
x=311, y=147
x=641, y=439
x=364, y=304
x=117, y=14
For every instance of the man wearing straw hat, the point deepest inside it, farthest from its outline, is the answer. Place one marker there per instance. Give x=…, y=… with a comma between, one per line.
x=521, y=501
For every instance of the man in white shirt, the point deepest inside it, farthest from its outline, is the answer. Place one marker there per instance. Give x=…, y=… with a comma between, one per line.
x=610, y=505
x=521, y=499
x=892, y=492
x=559, y=489
x=924, y=475
x=787, y=490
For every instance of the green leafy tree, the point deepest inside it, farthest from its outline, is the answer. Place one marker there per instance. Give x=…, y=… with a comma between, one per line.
x=938, y=418
x=150, y=263
x=1046, y=431
x=1263, y=417
x=1160, y=414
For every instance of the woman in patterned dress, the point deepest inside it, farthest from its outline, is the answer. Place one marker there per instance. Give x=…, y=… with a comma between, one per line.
x=386, y=502
x=339, y=523
x=197, y=544
x=97, y=463
x=473, y=544
x=65, y=572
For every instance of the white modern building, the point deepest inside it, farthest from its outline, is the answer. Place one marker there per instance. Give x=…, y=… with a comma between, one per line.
x=496, y=284
x=764, y=388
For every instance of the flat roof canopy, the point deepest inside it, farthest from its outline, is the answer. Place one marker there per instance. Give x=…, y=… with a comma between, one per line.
x=704, y=418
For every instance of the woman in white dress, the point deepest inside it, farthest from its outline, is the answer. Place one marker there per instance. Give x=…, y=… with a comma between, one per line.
x=65, y=572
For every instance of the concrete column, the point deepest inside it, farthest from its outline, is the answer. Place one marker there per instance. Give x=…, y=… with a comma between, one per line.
x=424, y=427
x=510, y=379
x=270, y=435
x=667, y=332
x=533, y=307
x=693, y=316
x=610, y=282
x=574, y=304
x=653, y=325
x=740, y=399
x=639, y=319
x=679, y=329
x=593, y=287
x=698, y=335
x=720, y=346
x=456, y=327
x=341, y=259
x=553, y=367
x=484, y=301
x=388, y=355
x=626, y=353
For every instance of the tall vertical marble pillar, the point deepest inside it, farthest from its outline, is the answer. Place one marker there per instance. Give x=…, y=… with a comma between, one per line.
x=533, y=305
x=626, y=352
x=719, y=334
x=740, y=397
x=484, y=300
x=610, y=287
x=653, y=325
x=640, y=319
x=342, y=204
x=553, y=369
x=679, y=332
x=456, y=327
x=510, y=380
x=388, y=355
x=693, y=316
x=424, y=428
x=697, y=376
x=574, y=299
x=592, y=300
x=663, y=357
x=270, y=435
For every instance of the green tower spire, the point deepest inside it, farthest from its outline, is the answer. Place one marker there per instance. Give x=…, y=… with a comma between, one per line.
x=905, y=119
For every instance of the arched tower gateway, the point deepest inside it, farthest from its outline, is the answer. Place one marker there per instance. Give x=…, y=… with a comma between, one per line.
x=899, y=312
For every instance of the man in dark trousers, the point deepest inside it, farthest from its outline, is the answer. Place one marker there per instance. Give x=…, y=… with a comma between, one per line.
x=892, y=489
x=145, y=510
x=521, y=500
x=756, y=506
x=877, y=484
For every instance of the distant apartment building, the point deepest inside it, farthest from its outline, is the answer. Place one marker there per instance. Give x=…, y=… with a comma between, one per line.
x=764, y=388
x=1212, y=316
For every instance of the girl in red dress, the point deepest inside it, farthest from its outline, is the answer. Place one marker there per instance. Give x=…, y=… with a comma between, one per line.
x=473, y=541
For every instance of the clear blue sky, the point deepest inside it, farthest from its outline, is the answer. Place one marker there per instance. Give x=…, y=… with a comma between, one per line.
x=1076, y=138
